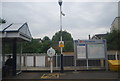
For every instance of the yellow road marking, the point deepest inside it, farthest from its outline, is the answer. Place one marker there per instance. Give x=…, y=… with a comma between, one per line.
x=50, y=75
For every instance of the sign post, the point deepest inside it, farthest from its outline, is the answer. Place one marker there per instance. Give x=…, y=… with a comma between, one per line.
x=51, y=53
x=51, y=64
x=61, y=45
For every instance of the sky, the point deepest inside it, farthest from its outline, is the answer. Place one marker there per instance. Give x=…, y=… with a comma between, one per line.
x=43, y=18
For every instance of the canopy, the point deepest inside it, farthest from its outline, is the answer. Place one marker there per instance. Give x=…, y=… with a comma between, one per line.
x=13, y=33
x=15, y=30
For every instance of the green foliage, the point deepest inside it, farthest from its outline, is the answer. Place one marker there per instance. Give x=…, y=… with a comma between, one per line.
x=46, y=38
x=67, y=38
x=32, y=47
x=37, y=45
x=113, y=40
x=46, y=45
x=68, y=46
x=41, y=46
x=6, y=48
x=65, y=35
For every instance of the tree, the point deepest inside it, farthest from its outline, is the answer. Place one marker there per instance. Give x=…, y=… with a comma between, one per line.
x=113, y=40
x=32, y=47
x=35, y=46
x=46, y=45
x=67, y=38
x=46, y=38
x=65, y=35
x=6, y=48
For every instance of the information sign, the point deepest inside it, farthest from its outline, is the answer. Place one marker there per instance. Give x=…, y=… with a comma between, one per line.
x=81, y=51
x=90, y=49
x=51, y=52
x=96, y=51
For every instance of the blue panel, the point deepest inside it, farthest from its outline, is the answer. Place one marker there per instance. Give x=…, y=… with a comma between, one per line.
x=81, y=44
x=76, y=41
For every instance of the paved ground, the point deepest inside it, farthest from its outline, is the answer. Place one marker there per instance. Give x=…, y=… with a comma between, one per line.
x=71, y=76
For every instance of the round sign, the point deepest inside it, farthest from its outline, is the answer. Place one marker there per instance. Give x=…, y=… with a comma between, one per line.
x=51, y=52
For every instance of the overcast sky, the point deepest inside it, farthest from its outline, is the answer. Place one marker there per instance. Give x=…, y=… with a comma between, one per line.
x=81, y=18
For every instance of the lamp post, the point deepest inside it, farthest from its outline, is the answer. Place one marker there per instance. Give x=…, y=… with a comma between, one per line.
x=60, y=4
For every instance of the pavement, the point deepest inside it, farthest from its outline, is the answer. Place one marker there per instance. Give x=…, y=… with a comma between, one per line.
x=69, y=75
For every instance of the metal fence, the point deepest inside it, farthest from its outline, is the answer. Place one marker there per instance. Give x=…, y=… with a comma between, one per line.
x=42, y=60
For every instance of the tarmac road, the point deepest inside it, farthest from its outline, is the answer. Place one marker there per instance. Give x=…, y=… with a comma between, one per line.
x=90, y=75
x=67, y=76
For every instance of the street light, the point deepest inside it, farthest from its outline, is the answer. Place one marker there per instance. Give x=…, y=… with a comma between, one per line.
x=60, y=4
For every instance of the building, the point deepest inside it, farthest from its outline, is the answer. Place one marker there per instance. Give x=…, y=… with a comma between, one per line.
x=12, y=34
x=115, y=24
x=99, y=36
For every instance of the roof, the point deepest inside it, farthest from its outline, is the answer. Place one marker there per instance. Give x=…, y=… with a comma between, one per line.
x=99, y=36
x=3, y=26
x=15, y=30
x=115, y=19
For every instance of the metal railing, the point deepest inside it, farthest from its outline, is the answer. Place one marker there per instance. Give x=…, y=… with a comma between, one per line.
x=42, y=60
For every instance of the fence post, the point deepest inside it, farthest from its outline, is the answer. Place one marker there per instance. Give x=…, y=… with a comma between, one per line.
x=26, y=61
x=56, y=61
x=34, y=60
x=87, y=60
x=75, y=56
x=106, y=57
x=102, y=62
x=116, y=57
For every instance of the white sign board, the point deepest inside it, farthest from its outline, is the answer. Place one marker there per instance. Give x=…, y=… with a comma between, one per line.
x=96, y=51
x=51, y=52
x=90, y=49
x=81, y=51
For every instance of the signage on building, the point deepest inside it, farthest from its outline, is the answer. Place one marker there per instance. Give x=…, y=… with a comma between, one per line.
x=90, y=49
x=81, y=51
